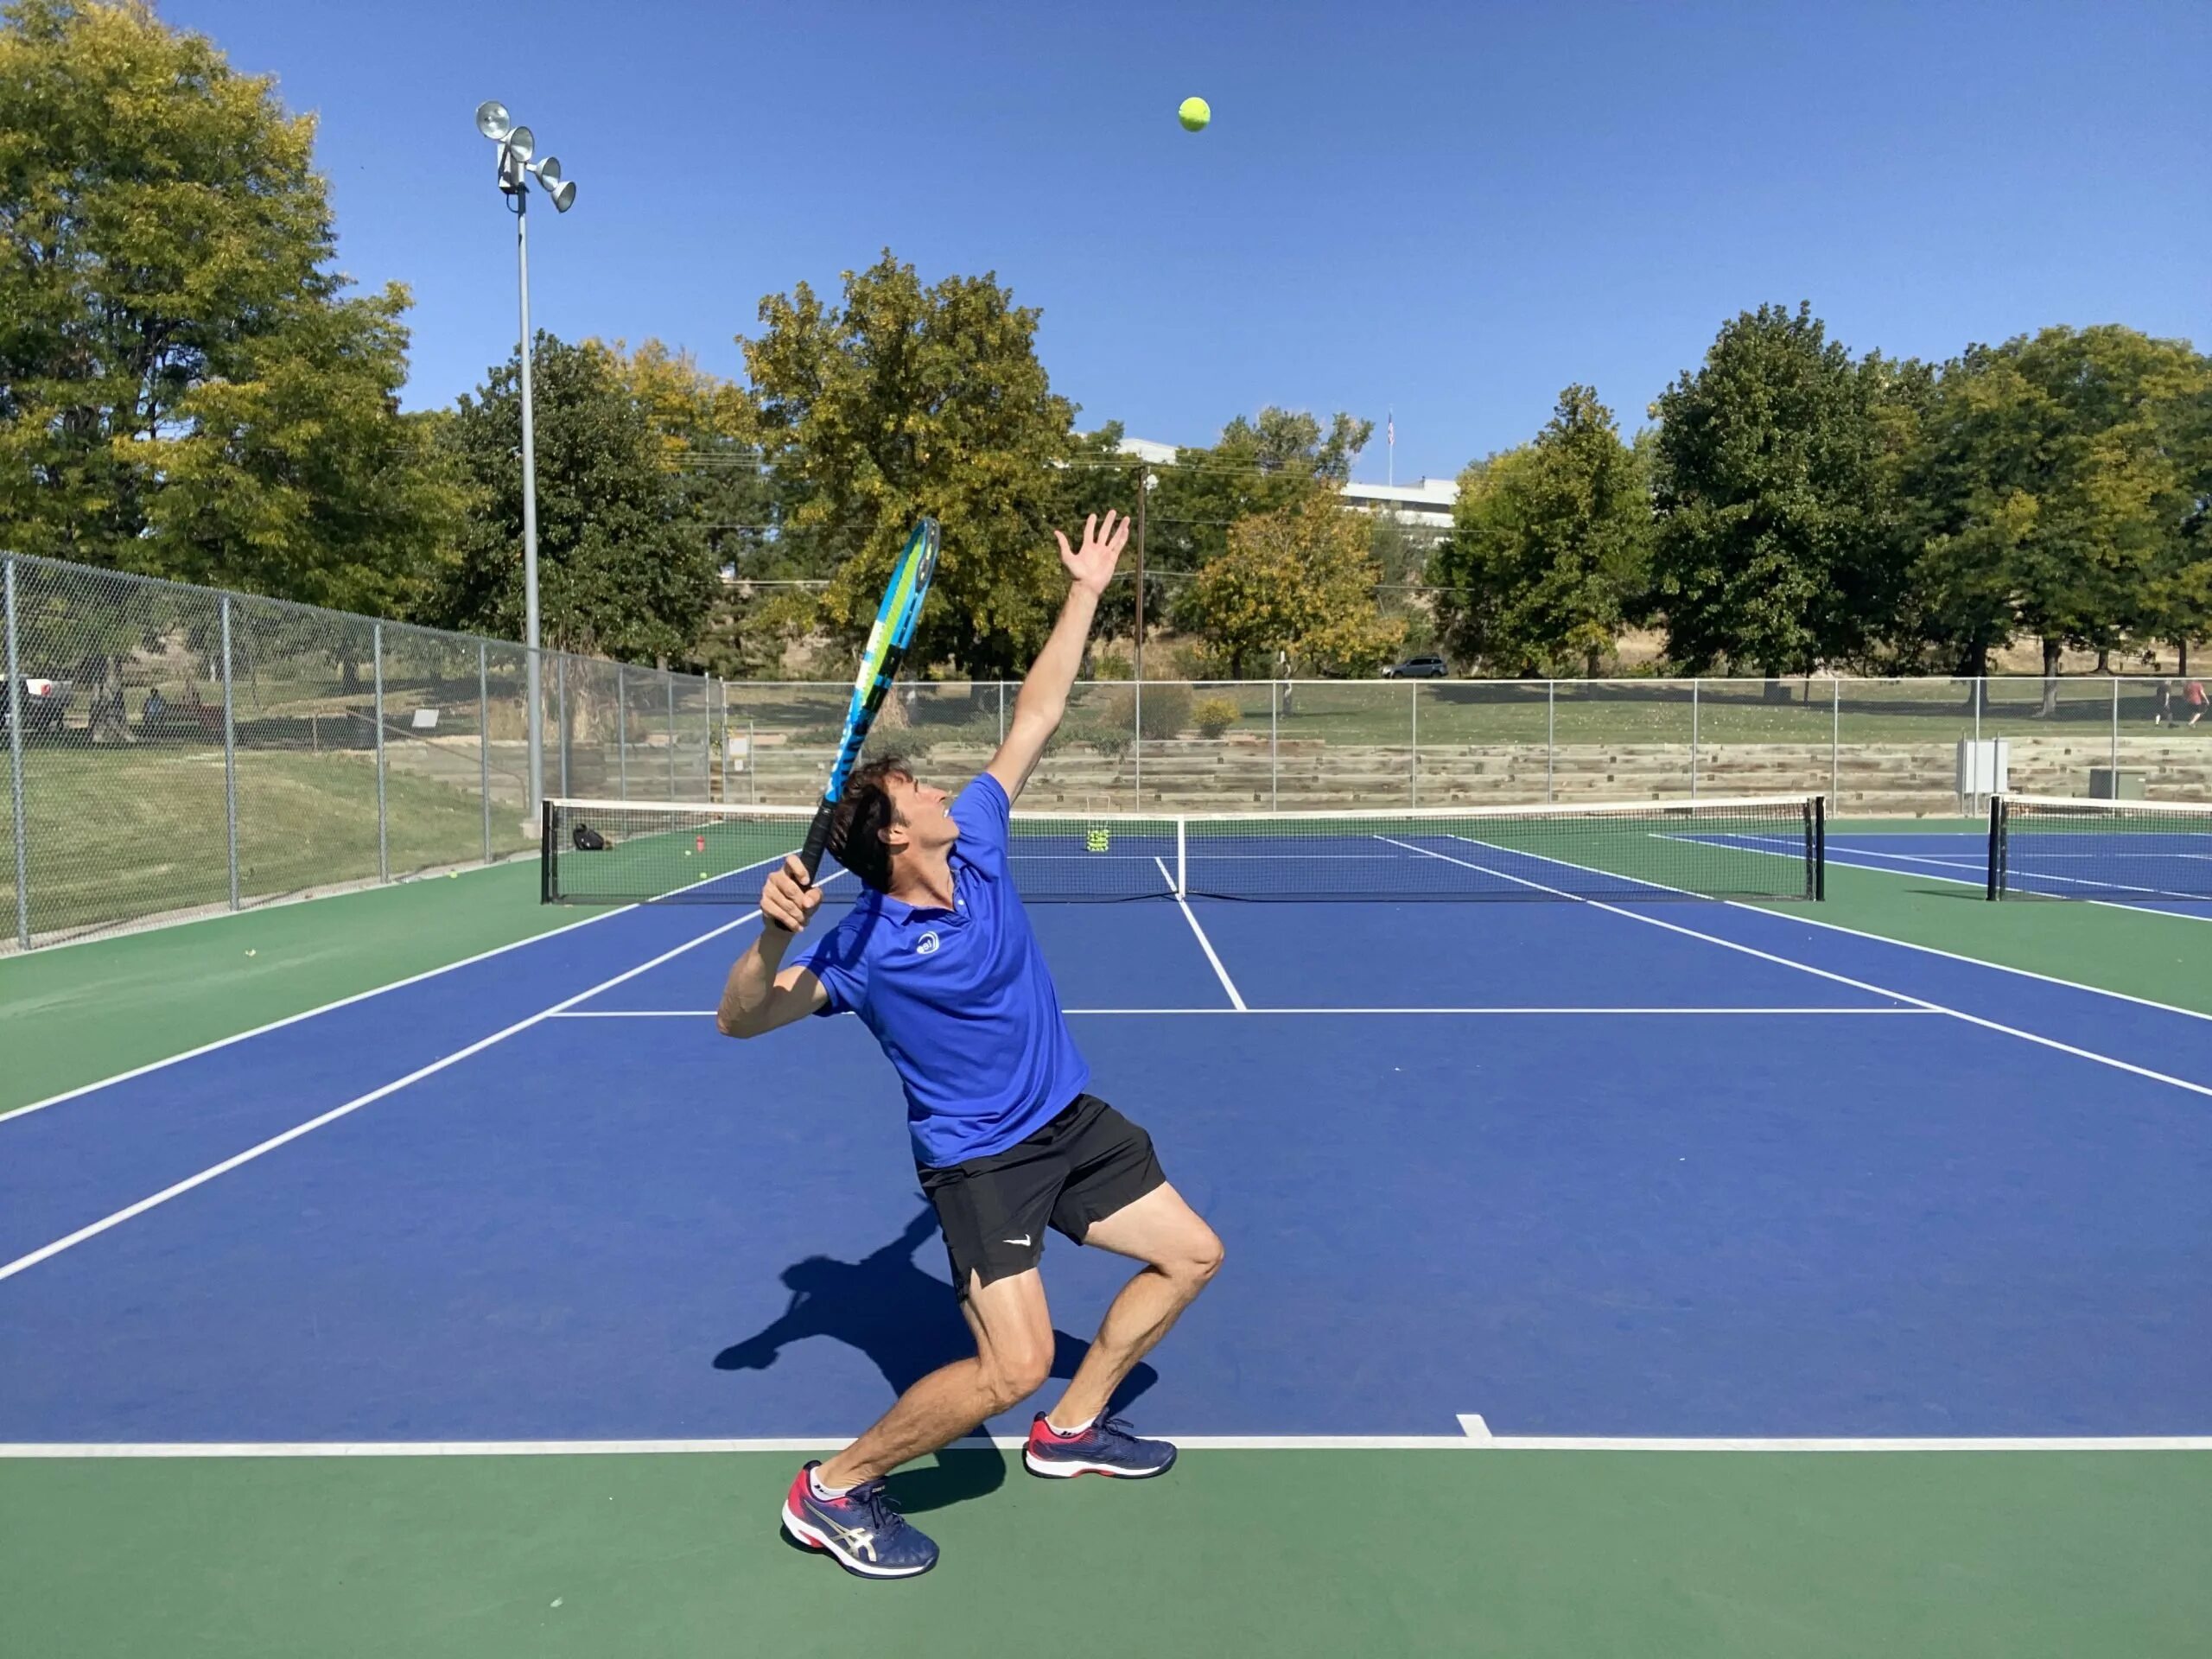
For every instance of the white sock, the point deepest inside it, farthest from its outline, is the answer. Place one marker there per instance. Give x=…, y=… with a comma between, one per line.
x=1065, y=1432
x=814, y=1485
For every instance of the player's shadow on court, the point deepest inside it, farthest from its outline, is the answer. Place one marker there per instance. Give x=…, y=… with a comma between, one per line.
x=908, y=1324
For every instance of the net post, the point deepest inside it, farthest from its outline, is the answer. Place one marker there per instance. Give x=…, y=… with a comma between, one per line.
x=549, y=850
x=1551, y=735
x=1995, y=887
x=16, y=769
x=231, y=758
x=1819, y=850
x=384, y=834
x=1695, y=684
x=622, y=732
x=669, y=677
x=1182, y=858
x=483, y=739
x=1413, y=762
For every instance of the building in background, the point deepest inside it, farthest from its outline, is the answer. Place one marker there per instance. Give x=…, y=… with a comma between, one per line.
x=1424, y=507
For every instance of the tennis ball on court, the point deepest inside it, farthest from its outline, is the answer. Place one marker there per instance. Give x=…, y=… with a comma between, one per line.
x=1194, y=114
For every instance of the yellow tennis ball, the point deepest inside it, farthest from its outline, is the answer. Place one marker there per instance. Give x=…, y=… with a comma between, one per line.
x=1194, y=114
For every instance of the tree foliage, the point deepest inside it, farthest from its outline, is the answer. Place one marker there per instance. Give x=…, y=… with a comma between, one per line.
x=904, y=400
x=1298, y=579
x=1550, y=546
x=1778, y=545
x=186, y=388
x=2062, y=481
x=624, y=568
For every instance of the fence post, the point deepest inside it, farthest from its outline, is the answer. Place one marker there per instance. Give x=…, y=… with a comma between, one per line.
x=1412, y=761
x=483, y=739
x=1835, y=739
x=667, y=677
x=1136, y=745
x=1693, y=713
x=707, y=743
x=1002, y=711
x=2115, y=737
x=1274, y=753
x=1980, y=690
x=1551, y=735
x=230, y=758
x=752, y=758
x=561, y=713
x=622, y=731
x=383, y=837
x=16, y=771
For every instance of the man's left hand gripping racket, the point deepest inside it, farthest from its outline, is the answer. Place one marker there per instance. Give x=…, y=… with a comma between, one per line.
x=879, y=664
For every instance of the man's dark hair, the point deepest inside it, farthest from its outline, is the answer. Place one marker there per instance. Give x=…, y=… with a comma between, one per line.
x=864, y=812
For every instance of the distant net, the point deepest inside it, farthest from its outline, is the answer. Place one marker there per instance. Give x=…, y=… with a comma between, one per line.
x=2050, y=847
x=1759, y=849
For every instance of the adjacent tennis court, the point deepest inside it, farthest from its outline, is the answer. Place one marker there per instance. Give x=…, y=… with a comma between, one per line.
x=1605, y=1274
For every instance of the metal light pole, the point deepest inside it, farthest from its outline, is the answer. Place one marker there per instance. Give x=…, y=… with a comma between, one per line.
x=517, y=146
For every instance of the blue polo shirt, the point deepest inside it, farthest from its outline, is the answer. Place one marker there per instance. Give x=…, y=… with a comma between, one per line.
x=960, y=999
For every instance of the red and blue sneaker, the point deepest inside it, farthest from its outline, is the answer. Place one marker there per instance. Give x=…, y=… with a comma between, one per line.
x=862, y=1530
x=1106, y=1447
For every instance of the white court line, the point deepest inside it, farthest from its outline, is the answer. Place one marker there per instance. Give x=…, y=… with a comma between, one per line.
x=1475, y=1436
x=1979, y=877
x=2117, y=1065
x=1204, y=944
x=343, y=1001
x=1479, y=1435
x=1502, y=1008
x=92, y=1230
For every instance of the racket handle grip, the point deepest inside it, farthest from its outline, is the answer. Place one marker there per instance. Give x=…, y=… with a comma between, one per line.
x=817, y=839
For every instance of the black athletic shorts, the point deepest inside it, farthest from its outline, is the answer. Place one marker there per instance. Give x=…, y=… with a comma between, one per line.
x=1081, y=1168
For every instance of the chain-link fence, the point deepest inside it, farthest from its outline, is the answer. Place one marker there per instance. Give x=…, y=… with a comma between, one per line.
x=172, y=751
x=1874, y=747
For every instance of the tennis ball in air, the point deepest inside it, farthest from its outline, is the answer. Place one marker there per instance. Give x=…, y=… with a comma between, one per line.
x=1194, y=114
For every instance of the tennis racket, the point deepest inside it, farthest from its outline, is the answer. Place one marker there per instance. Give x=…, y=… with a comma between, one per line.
x=879, y=664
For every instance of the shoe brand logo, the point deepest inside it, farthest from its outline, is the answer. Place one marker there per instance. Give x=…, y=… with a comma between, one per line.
x=859, y=1539
x=926, y=945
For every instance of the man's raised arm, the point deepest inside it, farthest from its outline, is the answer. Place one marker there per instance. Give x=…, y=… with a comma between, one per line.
x=1044, y=696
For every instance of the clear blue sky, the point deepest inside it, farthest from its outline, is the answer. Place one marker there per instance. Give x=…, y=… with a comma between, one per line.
x=1452, y=209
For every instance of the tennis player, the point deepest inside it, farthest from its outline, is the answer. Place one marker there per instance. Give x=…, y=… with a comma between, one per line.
x=937, y=959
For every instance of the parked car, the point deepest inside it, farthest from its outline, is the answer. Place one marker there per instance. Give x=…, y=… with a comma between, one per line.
x=42, y=702
x=1418, y=668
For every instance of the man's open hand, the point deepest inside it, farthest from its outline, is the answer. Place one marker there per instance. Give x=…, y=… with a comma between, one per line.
x=1092, y=565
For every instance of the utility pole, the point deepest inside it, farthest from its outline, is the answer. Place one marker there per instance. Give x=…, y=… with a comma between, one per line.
x=1144, y=488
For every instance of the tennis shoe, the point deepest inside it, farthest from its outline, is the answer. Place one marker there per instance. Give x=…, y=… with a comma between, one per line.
x=862, y=1530
x=1106, y=1447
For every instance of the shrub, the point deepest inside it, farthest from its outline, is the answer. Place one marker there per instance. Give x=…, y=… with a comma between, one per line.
x=1214, y=715
x=1165, y=705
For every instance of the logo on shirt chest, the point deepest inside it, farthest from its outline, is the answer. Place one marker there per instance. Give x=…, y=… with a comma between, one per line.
x=927, y=944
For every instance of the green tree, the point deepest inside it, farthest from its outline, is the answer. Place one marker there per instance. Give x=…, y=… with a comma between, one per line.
x=1258, y=465
x=1550, y=546
x=624, y=568
x=185, y=387
x=905, y=400
x=2060, y=478
x=1298, y=579
x=728, y=493
x=1779, y=542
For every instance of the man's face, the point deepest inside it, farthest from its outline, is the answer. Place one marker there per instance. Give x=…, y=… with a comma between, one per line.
x=925, y=816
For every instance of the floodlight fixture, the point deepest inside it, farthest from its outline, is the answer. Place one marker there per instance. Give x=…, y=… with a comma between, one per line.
x=491, y=120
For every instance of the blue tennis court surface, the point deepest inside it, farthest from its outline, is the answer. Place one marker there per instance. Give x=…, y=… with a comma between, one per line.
x=1679, y=1170
x=2170, y=872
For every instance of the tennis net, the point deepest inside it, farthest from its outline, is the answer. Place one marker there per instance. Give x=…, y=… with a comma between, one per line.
x=2047, y=846
x=610, y=852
